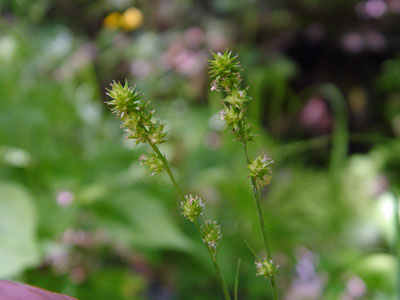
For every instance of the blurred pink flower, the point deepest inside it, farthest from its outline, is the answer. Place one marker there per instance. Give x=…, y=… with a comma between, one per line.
x=356, y=287
x=194, y=37
x=65, y=198
x=315, y=115
x=375, y=40
x=140, y=68
x=375, y=8
x=307, y=284
x=352, y=42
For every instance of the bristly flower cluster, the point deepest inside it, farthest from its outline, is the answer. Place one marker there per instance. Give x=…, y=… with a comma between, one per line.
x=265, y=268
x=192, y=207
x=128, y=105
x=211, y=235
x=152, y=162
x=226, y=77
x=261, y=170
x=224, y=71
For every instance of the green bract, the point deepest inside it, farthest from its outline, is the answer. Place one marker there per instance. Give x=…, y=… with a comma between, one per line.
x=260, y=169
x=192, y=207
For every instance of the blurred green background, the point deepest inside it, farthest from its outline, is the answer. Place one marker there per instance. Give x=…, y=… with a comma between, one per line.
x=79, y=215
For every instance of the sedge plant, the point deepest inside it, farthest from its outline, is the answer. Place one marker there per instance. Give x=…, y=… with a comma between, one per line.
x=225, y=75
x=137, y=119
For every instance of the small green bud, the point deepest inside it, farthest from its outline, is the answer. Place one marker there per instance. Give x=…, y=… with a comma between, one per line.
x=192, y=207
x=224, y=71
x=261, y=169
x=265, y=268
x=211, y=235
x=153, y=163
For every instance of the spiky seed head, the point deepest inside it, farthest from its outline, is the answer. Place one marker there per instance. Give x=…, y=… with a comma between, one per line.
x=125, y=99
x=192, y=207
x=153, y=163
x=232, y=116
x=128, y=104
x=265, y=268
x=260, y=169
x=211, y=235
x=224, y=71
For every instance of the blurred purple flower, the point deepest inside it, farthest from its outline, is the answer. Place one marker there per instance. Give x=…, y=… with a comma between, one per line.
x=352, y=42
x=315, y=115
x=140, y=68
x=81, y=238
x=194, y=37
x=307, y=284
x=375, y=8
x=356, y=287
x=375, y=40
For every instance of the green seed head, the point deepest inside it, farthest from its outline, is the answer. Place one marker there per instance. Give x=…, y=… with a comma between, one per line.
x=261, y=170
x=192, y=207
x=128, y=104
x=211, y=235
x=224, y=71
x=265, y=268
x=153, y=163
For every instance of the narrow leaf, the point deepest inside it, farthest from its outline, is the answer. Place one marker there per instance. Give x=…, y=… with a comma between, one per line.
x=237, y=279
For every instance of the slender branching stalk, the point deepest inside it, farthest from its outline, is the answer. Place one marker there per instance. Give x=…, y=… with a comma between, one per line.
x=137, y=120
x=225, y=75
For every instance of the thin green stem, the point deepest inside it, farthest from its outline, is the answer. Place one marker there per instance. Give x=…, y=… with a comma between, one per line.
x=262, y=223
x=182, y=196
x=216, y=267
x=168, y=169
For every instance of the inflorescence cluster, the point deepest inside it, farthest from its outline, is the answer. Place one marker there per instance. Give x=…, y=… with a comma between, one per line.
x=137, y=120
x=225, y=75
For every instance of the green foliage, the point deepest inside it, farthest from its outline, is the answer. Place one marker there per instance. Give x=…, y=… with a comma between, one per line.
x=65, y=167
x=18, y=222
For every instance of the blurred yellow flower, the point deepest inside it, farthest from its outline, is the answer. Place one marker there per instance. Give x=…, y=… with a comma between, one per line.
x=111, y=21
x=131, y=19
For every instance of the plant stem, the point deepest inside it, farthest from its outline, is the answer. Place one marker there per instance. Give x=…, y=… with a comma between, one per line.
x=168, y=169
x=262, y=224
x=182, y=196
x=216, y=267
